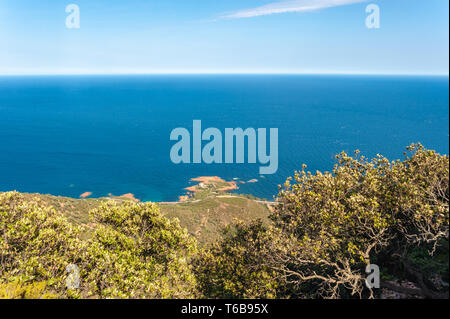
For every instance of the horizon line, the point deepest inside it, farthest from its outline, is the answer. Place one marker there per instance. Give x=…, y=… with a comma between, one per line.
x=222, y=73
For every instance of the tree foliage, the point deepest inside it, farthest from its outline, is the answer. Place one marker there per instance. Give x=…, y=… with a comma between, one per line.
x=17, y=290
x=137, y=253
x=235, y=267
x=36, y=243
x=329, y=226
x=134, y=252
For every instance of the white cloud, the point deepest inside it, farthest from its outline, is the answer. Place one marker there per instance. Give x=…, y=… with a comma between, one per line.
x=289, y=6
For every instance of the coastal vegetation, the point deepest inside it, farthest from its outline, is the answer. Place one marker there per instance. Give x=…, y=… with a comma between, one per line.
x=314, y=241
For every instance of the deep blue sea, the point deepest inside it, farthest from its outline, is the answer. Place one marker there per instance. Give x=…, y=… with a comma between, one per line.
x=66, y=135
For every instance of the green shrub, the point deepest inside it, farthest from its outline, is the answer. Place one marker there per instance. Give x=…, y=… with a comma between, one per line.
x=134, y=252
x=327, y=227
x=137, y=253
x=36, y=243
x=16, y=290
x=234, y=267
x=364, y=212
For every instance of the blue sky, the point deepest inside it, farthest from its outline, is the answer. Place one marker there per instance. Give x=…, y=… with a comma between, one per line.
x=218, y=36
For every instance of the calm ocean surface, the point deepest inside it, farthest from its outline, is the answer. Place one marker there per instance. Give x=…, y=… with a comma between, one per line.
x=66, y=135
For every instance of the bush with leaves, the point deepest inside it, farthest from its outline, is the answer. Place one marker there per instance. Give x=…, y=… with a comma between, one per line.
x=17, y=290
x=36, y=243
x=327, y=227
x=234, y=267
x=137, y=253
x=364, y=212
x=134, y=252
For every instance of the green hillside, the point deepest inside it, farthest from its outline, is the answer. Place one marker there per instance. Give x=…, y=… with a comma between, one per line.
x=204, y=215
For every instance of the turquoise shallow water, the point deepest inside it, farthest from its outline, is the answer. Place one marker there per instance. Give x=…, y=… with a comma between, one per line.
x=66, y=135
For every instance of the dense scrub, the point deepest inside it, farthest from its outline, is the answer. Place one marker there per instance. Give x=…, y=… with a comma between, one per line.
x=235, y=267
x=134, y=252
x=329, y=226
x=326, y=228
